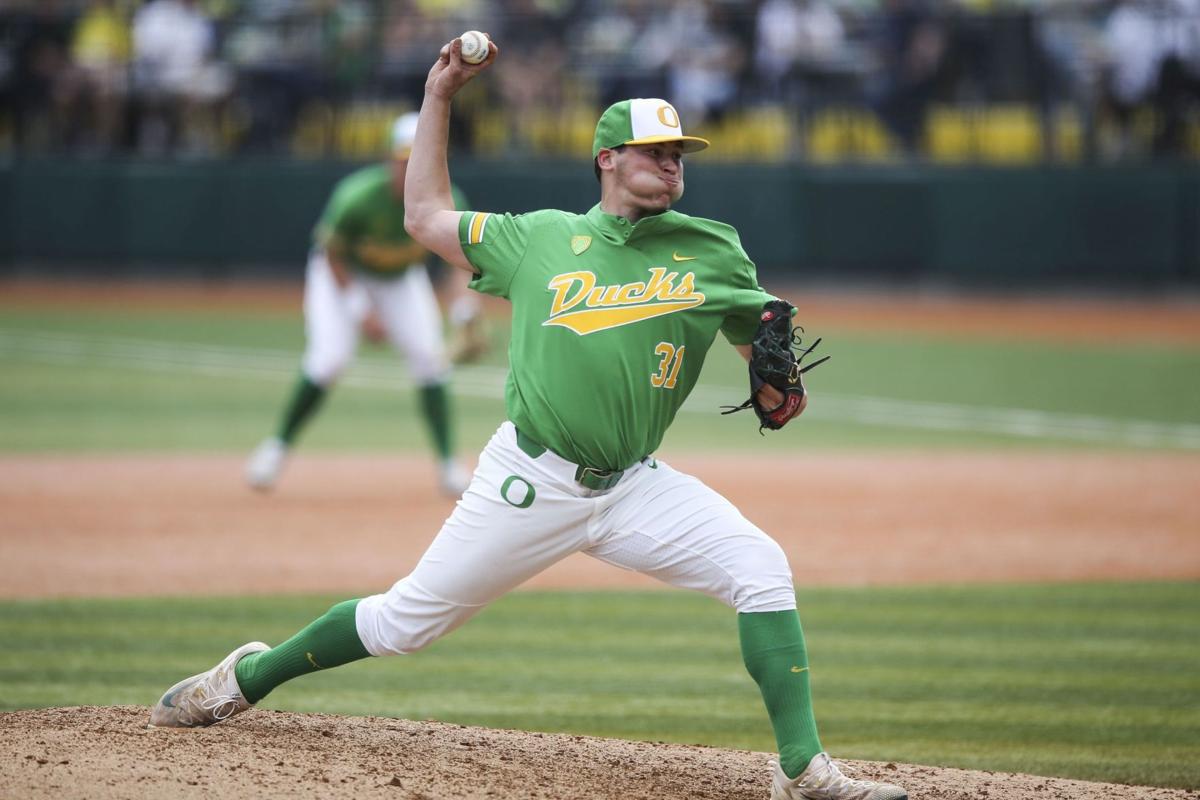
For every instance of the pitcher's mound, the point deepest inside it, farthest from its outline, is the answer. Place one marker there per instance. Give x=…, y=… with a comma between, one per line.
x=109, y=752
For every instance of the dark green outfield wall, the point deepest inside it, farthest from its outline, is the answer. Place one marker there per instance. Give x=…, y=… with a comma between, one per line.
x=996, y=228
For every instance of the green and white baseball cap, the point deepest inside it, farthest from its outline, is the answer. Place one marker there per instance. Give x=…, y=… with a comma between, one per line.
x=404, y=131
x=642, y=120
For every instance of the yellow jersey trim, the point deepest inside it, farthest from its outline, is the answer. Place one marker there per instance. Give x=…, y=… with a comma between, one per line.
x=475, y=231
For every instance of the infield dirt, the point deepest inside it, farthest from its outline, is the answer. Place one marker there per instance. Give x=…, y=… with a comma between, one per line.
x=73, y=525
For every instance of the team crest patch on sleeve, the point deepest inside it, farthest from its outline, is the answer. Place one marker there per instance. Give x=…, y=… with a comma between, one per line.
x=580, y=244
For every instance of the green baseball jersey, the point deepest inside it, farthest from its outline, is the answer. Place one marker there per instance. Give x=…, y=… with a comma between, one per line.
x=611, y=320
x=363, y=223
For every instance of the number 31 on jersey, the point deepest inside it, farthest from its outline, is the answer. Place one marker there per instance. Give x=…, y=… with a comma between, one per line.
x=668, y=368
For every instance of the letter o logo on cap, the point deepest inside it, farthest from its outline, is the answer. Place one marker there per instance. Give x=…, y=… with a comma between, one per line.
x=668, y=117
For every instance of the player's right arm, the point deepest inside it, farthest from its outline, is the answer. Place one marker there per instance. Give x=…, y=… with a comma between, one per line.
x=337, y=265
x=429, y=213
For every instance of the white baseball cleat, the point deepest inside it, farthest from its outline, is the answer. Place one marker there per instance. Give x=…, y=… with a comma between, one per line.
x=822, y=780
x=205, y=698
x=265, y=464
x=453, y=479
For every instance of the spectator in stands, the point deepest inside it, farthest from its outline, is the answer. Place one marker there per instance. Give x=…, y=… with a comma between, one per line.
x=1068, y=50
x=38, y=56
x=299, y=65
x=1178, y=88
x=605, y=47
x=701, y=60
x=178, y=80
x=407, y=33
x=1134, y=54
x=95, y=85
x=911, y=44
x=799, y=45
x=530, y=76
x=348, y=45
x=1153, y=63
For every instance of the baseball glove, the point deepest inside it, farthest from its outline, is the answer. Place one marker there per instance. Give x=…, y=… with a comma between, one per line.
x=470, y=341
x=773, y=362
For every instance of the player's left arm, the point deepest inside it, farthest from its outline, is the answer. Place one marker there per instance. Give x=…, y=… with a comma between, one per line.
x=743, y=319
x=768, y=395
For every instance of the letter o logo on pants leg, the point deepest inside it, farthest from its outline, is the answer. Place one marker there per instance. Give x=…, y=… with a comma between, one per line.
x=520, y=496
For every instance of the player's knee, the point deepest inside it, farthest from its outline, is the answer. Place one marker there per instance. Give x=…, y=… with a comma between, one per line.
x=406, y=641
x=324, y=369
x=428, y=369
x=406, y=619
x=766, y=580
x=390, y=634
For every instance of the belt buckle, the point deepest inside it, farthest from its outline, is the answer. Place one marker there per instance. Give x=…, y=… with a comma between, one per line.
x=598, y=479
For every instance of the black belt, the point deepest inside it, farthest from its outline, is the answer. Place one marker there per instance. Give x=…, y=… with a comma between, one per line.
x=587, y=477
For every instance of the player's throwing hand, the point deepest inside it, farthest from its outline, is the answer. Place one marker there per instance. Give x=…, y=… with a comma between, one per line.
x=450, y=73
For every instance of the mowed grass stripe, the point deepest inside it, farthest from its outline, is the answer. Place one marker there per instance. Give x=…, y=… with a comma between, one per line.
x=1093, y=681
x=488, y=382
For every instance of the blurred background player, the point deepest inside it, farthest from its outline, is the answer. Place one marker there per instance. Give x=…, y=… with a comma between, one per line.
x=367, y=276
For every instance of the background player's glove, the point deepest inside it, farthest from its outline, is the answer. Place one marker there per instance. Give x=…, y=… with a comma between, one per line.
x=469, y=341
x=773, y=363
x=372, y=328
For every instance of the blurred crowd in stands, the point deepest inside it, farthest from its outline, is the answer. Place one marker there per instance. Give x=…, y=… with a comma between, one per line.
x=1017, y=80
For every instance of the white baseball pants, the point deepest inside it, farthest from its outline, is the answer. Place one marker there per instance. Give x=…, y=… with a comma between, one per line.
x=521, y=514
x=406, y=306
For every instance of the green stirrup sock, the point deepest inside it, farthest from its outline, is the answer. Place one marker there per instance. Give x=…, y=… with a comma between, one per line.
x=435, y=405
x=305, y=400
x=774, y=653
x=329, y=641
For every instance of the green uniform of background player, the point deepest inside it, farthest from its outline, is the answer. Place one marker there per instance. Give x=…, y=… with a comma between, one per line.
x=613, y=313
x=366, y=273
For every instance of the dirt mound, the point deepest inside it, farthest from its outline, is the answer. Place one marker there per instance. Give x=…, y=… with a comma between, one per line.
x=109, y=752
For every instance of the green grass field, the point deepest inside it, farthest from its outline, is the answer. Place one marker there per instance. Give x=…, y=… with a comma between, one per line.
x=1087, y=681
x=138, y=380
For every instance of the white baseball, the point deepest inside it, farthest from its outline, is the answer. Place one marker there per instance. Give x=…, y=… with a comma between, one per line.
x=474, y=47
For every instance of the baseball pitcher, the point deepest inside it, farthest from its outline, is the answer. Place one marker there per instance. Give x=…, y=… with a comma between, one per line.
x=367, y=275
x=613, y=313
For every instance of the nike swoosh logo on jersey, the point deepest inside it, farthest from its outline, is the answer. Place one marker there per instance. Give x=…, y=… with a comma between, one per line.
x=799, y=669
x=676, y=257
